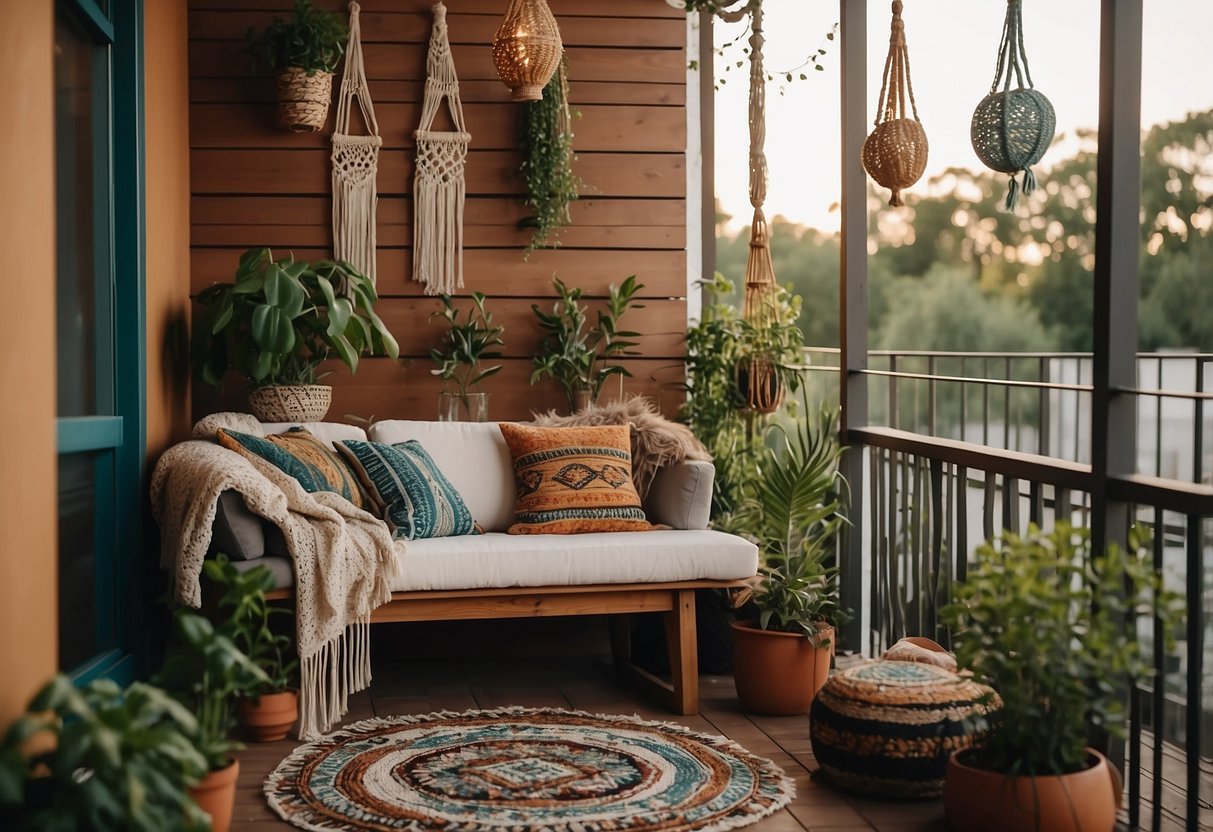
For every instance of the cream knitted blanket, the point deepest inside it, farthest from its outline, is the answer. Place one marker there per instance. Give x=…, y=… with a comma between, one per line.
x=343, y=559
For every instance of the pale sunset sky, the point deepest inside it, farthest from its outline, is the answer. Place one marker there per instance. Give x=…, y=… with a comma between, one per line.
x=953, y=47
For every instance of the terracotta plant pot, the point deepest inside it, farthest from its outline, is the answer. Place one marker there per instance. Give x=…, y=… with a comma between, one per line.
x=778, y=673
x=268, y=718
x=1084, y=801
x=215, y=794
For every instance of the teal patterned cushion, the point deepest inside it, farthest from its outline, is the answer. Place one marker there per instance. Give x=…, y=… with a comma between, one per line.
x=413, y=496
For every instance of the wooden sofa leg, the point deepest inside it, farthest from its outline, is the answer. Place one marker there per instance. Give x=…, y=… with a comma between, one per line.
x=684, y=652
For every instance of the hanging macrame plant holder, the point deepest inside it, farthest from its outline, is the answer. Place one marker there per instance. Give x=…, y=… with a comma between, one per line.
x=527, y=48
x=1012, y=128
x=758, y=376
x=355, y=163
x=895, y=154
x=439, y=188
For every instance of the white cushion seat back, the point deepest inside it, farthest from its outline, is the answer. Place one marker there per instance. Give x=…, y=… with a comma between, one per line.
x=329, y=432
x=472, y=455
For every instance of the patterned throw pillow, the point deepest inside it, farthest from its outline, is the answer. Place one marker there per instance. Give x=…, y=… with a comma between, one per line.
x=413, y=496
x=573, y=480
x=301, y=455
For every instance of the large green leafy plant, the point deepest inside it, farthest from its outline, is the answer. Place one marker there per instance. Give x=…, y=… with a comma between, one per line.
x=313, y=40
x=247, y=620
x=578, y=356
x=547, y=163
x=1049, y=625
x=466, y=344
x=280, y=319
x=795, y=517
x=100, y=758
x=205, y=670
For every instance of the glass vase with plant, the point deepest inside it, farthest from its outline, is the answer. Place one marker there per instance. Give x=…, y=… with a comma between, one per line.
x=579, y=357
x=303, y=52
x=268, y=710
x=465, y=345
x=100, y=757
x=279, y=320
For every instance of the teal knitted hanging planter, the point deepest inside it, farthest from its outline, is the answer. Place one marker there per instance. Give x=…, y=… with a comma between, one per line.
x=1012, y=128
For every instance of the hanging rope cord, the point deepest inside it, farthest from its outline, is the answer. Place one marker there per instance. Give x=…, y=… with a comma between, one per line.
x=896, y=85
x=1013, y=63
x=439, y=187
x=355, y=162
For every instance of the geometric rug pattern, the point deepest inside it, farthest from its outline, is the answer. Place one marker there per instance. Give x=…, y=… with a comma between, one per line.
x=524, y=769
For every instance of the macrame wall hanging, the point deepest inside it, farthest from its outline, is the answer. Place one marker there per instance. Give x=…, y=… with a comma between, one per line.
x=1012, y=128
x=355, y=163
x=895, y=154
x=757, y=375
x=439, y=190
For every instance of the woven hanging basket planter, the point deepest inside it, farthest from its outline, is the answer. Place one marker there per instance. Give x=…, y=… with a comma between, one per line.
x=291, y=402
x=303, y=100
x=1013, y=128
x=895, y=154
x=527, y=48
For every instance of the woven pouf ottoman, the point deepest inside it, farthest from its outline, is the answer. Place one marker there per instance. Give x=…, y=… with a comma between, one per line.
x=887, y=728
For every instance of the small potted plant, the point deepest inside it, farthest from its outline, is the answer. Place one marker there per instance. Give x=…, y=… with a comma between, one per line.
x=781, y=658
x=1050, y=625
x=206, y=672
x=304, y=53
x=100, y=757
x=268, y=710
x=278, y=321
x=771, y=347
x=465, y=344
x=577, y=357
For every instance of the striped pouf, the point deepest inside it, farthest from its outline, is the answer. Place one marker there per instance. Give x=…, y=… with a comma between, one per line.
x=887, y=728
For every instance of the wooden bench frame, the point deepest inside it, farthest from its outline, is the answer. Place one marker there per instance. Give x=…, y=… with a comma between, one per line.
x=675, y=601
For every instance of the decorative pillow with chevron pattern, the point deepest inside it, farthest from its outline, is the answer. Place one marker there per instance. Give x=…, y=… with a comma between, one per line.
x=412, y=496
x=573, y=480
x=301, y=455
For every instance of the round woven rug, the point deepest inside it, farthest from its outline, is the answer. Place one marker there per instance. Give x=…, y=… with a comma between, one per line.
x=524, y=768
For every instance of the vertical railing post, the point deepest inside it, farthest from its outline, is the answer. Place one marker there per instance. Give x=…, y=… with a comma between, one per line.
x=1117, y=249
x=853, y=277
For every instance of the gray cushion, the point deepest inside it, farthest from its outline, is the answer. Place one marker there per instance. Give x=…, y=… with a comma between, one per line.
x=681, y=495
x=237, y=532
x=280, y=569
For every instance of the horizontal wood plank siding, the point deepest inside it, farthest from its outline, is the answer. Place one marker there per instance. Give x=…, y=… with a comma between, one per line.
x=254, y=184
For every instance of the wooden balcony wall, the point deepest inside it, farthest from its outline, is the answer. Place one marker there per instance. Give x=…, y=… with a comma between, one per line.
x=254, y=184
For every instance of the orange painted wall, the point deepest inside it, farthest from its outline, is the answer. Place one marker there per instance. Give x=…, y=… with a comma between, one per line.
x=28, y=525
x=166, y=105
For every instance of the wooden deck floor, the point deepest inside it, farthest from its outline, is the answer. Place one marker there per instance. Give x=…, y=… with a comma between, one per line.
x=405, y=687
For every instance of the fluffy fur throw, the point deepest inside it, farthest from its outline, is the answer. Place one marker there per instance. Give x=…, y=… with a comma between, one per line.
x=656, y=441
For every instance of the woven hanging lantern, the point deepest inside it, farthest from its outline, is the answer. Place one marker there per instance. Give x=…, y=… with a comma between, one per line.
x=895, y=154
x=1012, y=128
x=527, y=48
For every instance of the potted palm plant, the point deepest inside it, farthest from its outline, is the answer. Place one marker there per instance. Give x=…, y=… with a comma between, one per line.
x=1050, y=625
x=268, y=710
x=278, y=321
x=304, y=53
x=100, y=757
x=206, y=672
x=781, y=658
x=466, y=344
x=577, y=356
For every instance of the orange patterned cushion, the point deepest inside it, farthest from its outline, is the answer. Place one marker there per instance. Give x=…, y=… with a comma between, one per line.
x=574, y=480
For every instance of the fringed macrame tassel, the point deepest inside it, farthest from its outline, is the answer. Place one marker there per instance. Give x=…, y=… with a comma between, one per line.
x=1029, y=182
x=1012, y=194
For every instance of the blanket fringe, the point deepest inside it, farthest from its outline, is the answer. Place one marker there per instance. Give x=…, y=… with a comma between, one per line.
x=337, y=669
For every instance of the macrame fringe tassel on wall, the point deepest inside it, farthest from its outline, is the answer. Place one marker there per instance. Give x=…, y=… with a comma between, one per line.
x=439, y=188
x=895, y=154
x=1013, y=128
x=355, y=164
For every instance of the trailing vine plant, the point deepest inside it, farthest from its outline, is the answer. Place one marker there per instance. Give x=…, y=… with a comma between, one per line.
x=547, y=164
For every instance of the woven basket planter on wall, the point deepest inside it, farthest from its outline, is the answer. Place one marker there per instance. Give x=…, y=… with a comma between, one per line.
x=895, y=154
x=527, y=48
x=291, y=402
x=303, y=100
x=1012, y=128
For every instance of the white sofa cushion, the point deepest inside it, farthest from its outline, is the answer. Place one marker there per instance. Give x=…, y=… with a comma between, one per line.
x=329, y=432
x=472, y=455
x=501, y=560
